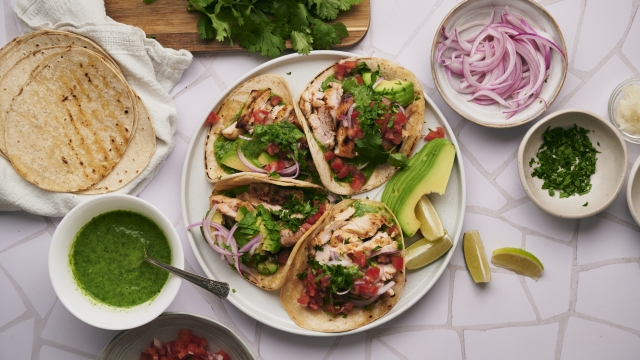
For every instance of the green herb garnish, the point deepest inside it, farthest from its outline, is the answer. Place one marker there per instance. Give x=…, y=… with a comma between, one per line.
x=566, y=159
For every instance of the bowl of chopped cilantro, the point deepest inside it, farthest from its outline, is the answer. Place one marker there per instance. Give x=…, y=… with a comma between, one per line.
x=572, y=163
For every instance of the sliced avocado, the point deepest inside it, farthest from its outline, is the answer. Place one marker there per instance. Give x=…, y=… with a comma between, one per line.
x=396, y=90
x=263, y=269
x=428, y=171
x=217, y=217
x=271, y=266
x=231, y=160
x=368, y=78
x=265, y=159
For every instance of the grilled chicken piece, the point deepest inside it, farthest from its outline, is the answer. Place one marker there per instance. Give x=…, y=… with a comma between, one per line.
x=273, y=194
x=231, y=132
x=257, y=100
x=229, y=206
x=332, y=97
x=345, y=144
x=255, y=202
x=289, y=238
x=310, y=99
x=365, y=226
x=281, y=113
x=322, y=126
x=345, y=104
x=381, y=239
x=345, y=215
x=325, y=235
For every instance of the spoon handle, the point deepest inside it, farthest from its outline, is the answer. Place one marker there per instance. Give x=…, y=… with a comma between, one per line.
x=218, y=288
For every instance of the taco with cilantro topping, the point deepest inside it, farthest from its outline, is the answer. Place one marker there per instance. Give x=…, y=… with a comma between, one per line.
x=349, y=271
x=255, y=222
x=363, y=118
x=256, y=130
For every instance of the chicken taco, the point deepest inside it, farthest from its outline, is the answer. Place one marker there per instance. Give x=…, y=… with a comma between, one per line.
x=363, y=118
x=255, y=223
x=349, y=271
x=256, y=130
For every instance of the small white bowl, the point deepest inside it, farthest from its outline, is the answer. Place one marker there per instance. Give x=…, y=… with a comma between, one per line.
x=611, y=165
x=65, y=286
x=491, y=115
x=616, y=95
x=633, y=191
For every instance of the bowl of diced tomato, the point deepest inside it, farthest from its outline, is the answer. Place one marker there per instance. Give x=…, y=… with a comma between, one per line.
x=180, y=336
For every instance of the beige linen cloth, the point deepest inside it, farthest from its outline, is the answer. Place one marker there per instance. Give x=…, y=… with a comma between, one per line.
x=150, y=69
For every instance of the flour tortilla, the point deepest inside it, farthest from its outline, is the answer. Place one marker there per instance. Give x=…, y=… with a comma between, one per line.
x=230, y=107
x=318, y=320
x=413, y=127
x=21, y=48
x=273, y=281
x=135, y=158
x=71, y=122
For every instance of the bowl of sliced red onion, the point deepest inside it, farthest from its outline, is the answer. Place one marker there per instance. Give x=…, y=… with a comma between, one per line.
x=499, y=63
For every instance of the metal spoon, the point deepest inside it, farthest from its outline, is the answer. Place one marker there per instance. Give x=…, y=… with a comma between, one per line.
x=220, y=289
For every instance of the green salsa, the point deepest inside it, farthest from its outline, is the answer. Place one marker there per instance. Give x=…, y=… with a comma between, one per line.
x=106, y=258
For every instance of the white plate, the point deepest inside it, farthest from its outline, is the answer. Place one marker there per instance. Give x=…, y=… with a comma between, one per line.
x=265, y=306
x=492, y=116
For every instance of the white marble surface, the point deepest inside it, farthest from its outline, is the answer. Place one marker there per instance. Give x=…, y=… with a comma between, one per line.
x=585, y=306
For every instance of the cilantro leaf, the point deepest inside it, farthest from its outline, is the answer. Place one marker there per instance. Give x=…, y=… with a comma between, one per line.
x=301, y=42
x=148, y=1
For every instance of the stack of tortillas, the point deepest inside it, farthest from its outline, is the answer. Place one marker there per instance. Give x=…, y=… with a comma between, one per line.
x=69, y=122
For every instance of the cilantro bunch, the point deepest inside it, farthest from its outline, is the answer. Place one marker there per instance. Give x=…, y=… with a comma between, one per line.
x=264, y=25
x=566, y=161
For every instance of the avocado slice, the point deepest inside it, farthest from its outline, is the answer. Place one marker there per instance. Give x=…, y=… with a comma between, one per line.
x=396, y=90
x=368, y=78
x=428, y=171
x=265, y=159
x=231, y=159
x=217, y=217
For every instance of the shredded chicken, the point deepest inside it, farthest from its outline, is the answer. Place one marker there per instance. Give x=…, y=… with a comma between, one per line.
x=310, y=99
x=289, y=238
x=258, y=99
x=322, y=126
x=325, y=235
x=345, y=144
x=366, y=225
x=231, y=132
x=345, y=214
x=332, y=97
x=229, y=206
x=345, y=104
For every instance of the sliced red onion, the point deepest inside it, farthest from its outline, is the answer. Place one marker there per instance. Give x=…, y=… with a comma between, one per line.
x=378, y=81
x=363, y=166
x=244, y=137
x=191, y=226
x=248, y=164
x=401, y=109
x=343, y=292
x=157, y=343
x=332, y=197
x=251, y=243
x=254, y=248
x=363, y=303
x=383, y=289
x=295, y=167
x=333, y=255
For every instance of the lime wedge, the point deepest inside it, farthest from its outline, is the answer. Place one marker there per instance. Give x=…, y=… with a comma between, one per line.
x=475, y=257
x=430, y=224
x=519, y=261
x=423, y=252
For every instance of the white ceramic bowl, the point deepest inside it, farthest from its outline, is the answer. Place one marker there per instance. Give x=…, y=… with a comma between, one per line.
x=480, y=10
x=633, y=191
x=616, y=95
x=611, y=165
x=64, y=284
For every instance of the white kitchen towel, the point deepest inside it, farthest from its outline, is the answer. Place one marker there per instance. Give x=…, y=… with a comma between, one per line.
x=150, y=69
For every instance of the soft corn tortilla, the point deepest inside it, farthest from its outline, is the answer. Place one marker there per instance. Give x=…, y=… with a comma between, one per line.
x=273, y=281
x=70, y=123
x=23, y=50
x=135, y=158
x=230, y=107
x=413, y=127
x=318, y=320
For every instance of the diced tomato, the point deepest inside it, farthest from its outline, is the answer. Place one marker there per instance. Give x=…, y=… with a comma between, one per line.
x=397, y=262
x=337, y=164
x=146, y=356
x=303, y=299
x=224, y=355
x=183, y=353
x=283, y=256
x=350, y=64
x=212, y=119
x=273, y=148
x=344, y=172
x=359, y=258
x=392, y=231
x=352, y=169
x=192, y=348
x=434, y=134
x=328, y=155
x=352, y=133
x=359, y=80
x=260, y=116
x=372, y=273
x=399, y=119
x=325, y=281
x=339, y=71
x=354, y=114
x=275, y=100
x=275, y=166
x=314, y=305
x=348, y=306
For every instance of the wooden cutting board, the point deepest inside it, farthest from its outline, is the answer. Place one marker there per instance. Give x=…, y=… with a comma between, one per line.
x=173, y=26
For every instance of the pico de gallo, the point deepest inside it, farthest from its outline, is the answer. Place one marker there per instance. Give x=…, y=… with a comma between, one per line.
x=264, y=137
x=187, y=346
x=359, y=120
x=353, y=261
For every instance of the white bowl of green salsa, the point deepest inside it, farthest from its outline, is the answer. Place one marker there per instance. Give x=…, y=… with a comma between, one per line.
x=96, y=267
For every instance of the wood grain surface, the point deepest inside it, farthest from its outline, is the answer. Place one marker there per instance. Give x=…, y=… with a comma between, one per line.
x=173, y=26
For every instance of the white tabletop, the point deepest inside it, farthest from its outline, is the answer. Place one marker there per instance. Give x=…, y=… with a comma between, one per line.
x=585, y=306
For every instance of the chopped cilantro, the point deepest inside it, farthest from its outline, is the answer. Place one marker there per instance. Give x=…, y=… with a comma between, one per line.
x=566, y=161
x=342, y=277
x=376, y=248
x=586, y=204
x=233, y=291
x=325, y=84
x=362, y=209
x=151, y=36
x=318, y=248
x=220, y=148
x=288, y=72
x=270, y=242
